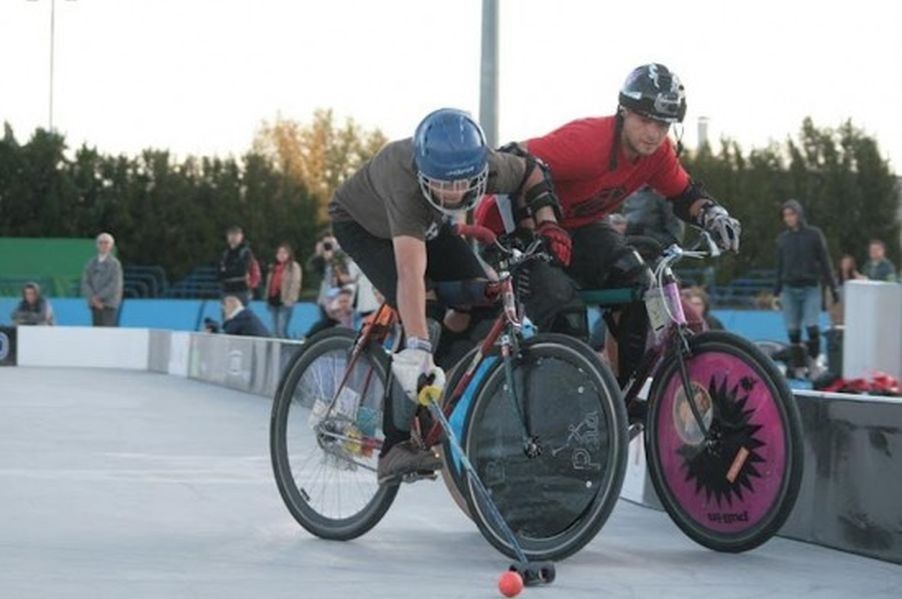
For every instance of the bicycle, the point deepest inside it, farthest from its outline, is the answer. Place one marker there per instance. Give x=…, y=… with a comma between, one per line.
x=546, y=432
x=722, y=432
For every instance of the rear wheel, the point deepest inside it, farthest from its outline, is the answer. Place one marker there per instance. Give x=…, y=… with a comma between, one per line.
x=555, y=502
x=325, y=438
x=732, y=490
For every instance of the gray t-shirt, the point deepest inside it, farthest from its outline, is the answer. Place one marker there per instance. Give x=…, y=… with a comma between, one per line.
x=384, y=196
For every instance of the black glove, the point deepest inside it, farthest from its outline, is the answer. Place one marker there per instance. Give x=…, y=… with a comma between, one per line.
x=725, y=229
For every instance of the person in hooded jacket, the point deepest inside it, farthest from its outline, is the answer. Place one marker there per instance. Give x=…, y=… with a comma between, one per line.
x=34, y=309
x=803, y=265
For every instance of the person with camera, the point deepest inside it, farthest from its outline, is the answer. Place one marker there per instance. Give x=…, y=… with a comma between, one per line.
x=330, y=264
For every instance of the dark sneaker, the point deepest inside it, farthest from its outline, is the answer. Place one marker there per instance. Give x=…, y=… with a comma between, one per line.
x=405, y=458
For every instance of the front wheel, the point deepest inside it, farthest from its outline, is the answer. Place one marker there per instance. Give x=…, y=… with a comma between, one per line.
x=556, y=499
x=325, y=436
x=733, y=489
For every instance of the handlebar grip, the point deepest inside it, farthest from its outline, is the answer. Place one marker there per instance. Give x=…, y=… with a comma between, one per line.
x=478, y=232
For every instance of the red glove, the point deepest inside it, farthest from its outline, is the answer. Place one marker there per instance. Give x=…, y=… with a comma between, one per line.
x=557, y=240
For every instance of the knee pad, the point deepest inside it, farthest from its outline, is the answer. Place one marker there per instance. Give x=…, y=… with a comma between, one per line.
x=462, y=293
x=552, y=300
x=814, y=342
x=629, y=270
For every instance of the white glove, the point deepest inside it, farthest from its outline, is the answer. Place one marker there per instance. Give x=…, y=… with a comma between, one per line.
x=408, y=365
x=726, y=230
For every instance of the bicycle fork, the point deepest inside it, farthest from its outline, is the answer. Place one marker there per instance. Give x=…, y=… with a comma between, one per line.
x=682, y=353
x=532, y=448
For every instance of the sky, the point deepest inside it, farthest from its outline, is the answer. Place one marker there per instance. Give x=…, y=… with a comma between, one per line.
x=199, y=76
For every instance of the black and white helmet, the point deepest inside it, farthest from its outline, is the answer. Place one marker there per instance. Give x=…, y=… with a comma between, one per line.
x=652, y=90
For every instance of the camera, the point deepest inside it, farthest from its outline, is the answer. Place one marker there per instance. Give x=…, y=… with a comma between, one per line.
x=327, y=246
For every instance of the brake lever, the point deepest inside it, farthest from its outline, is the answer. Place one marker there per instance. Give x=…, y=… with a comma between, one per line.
x=713, y=250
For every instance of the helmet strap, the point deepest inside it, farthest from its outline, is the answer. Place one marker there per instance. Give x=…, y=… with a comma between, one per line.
x=679, y=129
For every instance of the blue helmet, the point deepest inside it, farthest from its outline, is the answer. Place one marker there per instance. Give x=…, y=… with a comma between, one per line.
x=451, y=157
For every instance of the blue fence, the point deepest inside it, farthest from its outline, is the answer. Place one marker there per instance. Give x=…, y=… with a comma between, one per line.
x=188, y=315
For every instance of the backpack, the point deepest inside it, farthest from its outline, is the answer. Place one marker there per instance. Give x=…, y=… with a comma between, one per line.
x=254, y=274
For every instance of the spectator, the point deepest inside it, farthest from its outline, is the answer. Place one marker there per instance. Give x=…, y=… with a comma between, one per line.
x=879, y=268
x=331, y=265
x=101, y=283
x=283, y=287
x=649, y=214
x=236, y=265
x=698, y=299
x=848, y=271
x=338, y=310
x=802, y=264
x=34, y=309
x=239, y=320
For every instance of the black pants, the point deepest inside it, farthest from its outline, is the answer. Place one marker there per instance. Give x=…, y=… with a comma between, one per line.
x=448, y=258
x=603, y=260
x=104, y=317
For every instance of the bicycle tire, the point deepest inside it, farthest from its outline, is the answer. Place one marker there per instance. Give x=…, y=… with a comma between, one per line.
x=734, y=494
x=557, y=502
x=332, y=342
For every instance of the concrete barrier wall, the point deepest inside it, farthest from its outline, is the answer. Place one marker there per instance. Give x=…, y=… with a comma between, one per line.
x=851, y=496
x=247, y=364
x=83, y=347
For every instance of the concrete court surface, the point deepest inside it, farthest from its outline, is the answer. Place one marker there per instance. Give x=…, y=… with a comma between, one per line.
x=134, y=484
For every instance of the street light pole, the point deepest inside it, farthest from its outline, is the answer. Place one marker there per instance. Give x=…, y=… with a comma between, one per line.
x=52, y=38
x=488, y=74
x=52, y=56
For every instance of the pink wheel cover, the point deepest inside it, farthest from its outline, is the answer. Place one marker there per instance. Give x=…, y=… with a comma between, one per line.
x=734, y=493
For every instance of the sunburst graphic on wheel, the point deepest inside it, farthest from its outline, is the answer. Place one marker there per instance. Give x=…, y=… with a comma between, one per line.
x=725, y=465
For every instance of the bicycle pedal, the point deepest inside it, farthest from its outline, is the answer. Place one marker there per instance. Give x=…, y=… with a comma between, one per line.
x=635, y=430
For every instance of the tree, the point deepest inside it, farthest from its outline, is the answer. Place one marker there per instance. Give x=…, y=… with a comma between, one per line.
x=319, y=155
x=839, y=176
x=161, y=211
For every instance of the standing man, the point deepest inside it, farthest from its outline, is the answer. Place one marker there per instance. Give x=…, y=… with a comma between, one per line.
x=878, y=267
x=235, y=266
x=803, y=263
x=391, y=217
x=595, y=164
x=101, y=283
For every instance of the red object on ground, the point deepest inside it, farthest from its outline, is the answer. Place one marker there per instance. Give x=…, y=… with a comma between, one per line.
x=510, y=584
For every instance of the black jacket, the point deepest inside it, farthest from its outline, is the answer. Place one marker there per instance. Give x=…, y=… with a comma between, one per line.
x=245, y=323
x=650, y=214
x=233, y=268
x=802, y=258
